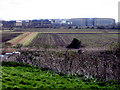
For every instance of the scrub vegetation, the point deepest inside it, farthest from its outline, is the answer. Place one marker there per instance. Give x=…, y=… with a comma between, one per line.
x=19, y=75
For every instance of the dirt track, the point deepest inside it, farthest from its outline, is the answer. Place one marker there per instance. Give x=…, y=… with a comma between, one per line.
x=21, y=38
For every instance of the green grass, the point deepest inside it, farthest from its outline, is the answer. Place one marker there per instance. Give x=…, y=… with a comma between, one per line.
x=18, y=75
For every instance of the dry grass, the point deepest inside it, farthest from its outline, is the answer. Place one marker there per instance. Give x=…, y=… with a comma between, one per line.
x=24, y=39
x=28, y=39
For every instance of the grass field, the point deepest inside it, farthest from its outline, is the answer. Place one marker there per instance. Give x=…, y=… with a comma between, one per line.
x=18, y=75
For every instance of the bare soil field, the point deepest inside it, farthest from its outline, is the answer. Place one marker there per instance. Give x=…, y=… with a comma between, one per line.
x=62, y=40
x=8, y=36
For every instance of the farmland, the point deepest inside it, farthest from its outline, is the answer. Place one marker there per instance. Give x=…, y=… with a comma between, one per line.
x=8, y=36
x=69, y=69
x=48, y=30
x=62, y=40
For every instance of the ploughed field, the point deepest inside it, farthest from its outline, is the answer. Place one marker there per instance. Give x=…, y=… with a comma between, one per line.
x=57, y=38
x=62, y=40
x=8, y=36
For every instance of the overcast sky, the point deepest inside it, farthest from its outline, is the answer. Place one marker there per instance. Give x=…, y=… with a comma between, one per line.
x=48, y=9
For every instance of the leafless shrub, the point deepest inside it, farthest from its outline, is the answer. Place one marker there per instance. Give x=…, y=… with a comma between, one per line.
x=103, y=65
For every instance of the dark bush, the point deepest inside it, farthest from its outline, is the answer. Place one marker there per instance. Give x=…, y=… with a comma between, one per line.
x=76, y=44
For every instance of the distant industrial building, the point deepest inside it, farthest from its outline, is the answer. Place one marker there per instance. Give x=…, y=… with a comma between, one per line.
x=9, y=24
x=25, y=23
x=60, y=23
x=78, y=23
x=1, y=25
x=104, y=22
x=18, y=24
x=92, y=22
x=40, y=23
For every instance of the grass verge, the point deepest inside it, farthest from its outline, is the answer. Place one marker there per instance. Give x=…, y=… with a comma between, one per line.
x=28, y=39
x=19, y=75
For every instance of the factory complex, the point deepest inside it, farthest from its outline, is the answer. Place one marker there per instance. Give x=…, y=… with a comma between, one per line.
x=77, y=23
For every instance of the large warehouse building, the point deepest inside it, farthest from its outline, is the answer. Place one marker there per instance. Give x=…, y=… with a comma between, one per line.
x=104, y=22
x=92, y=22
